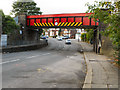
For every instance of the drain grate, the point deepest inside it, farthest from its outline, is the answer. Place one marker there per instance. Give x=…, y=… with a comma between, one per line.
x=93, y=60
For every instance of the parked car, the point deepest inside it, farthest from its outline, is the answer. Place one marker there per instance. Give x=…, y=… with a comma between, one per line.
x=68, y=42
x=59, y=39
x=46, y=36
x=43, y=37
x=65, y=37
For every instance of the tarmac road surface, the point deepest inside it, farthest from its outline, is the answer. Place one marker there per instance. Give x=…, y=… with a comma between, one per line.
x=56, y=66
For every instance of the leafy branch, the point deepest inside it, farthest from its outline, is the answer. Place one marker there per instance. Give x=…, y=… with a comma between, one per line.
x=109, y=14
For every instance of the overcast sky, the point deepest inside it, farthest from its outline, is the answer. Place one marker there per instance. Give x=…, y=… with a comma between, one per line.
x=52, y=6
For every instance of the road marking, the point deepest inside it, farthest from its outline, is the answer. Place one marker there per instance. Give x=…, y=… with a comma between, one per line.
x=37, y=55
x=46, y=54
x=19, y=59
x=39, y=69
x=10, y=61
x=32, y=56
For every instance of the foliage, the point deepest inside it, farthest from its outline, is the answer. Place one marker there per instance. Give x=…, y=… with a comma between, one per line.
x=59, y=32
x=2, y=17
x=40, y=31
x=44, y=32
x=109, y=14
x=83, y=36
x=8, y=24
x=88, y=37
x=55, y=36
x=25, y=7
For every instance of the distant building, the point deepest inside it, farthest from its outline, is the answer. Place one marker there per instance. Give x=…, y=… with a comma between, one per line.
x=51, y=32
x=71, y=33
x=79, y=32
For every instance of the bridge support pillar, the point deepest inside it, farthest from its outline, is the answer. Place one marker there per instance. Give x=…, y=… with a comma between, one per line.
x=28, y=34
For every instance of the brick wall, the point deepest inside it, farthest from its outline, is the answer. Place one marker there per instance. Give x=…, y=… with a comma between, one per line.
x=28, y=35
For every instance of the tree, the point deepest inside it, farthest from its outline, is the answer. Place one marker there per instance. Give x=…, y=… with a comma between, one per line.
x=83, y=36
x=40, y=32
x=8, y=24
x=109, y=14
x=59, y=32
x=25, y=7
x=2, y=17
x=89, y=35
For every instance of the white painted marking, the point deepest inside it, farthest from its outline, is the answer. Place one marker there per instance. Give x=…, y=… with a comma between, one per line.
x=32, y=56
x=46, y=54
x=38, y=55
x=27, y=58
x=10, y=61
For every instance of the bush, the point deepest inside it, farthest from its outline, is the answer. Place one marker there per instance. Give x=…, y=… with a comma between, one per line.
x=88, y=37
x=83, y=36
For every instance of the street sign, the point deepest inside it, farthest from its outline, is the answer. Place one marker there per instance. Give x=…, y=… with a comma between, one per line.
x=4, y=40
x=56, y=23
x=20, y=31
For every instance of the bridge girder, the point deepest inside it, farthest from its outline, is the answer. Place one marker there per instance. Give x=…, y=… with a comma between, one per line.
x=80, y=20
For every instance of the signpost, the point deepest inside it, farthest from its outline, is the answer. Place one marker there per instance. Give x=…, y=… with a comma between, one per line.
x=4, y=40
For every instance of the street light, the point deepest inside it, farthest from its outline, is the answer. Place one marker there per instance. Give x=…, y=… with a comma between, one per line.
x=99, y=43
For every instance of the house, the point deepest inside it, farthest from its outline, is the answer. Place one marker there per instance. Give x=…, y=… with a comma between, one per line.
x=51, y=32
x=79, y=32
x=71, y=33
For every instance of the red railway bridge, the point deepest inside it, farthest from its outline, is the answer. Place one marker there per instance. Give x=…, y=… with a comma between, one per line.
x=73, y=20
x=33, y=23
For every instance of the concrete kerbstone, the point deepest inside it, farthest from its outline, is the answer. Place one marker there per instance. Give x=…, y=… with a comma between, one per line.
x=88, y=78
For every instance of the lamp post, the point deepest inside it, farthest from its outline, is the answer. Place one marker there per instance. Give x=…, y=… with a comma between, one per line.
x=95, y=42
x=99, y=37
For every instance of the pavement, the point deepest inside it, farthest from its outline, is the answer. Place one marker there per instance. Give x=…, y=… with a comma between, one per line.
x=101, y=73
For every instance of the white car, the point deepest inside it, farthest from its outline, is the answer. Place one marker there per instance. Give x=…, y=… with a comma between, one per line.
x=59, y=39
x=68, y=42
x=65, y=37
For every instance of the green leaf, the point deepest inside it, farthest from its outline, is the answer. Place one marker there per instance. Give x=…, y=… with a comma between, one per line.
x=20, y=6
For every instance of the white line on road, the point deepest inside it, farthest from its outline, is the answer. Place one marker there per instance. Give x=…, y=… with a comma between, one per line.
x=32, y=56
x=27, y=58
x=10, y=61
x=46, y=54
x=38, y=55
